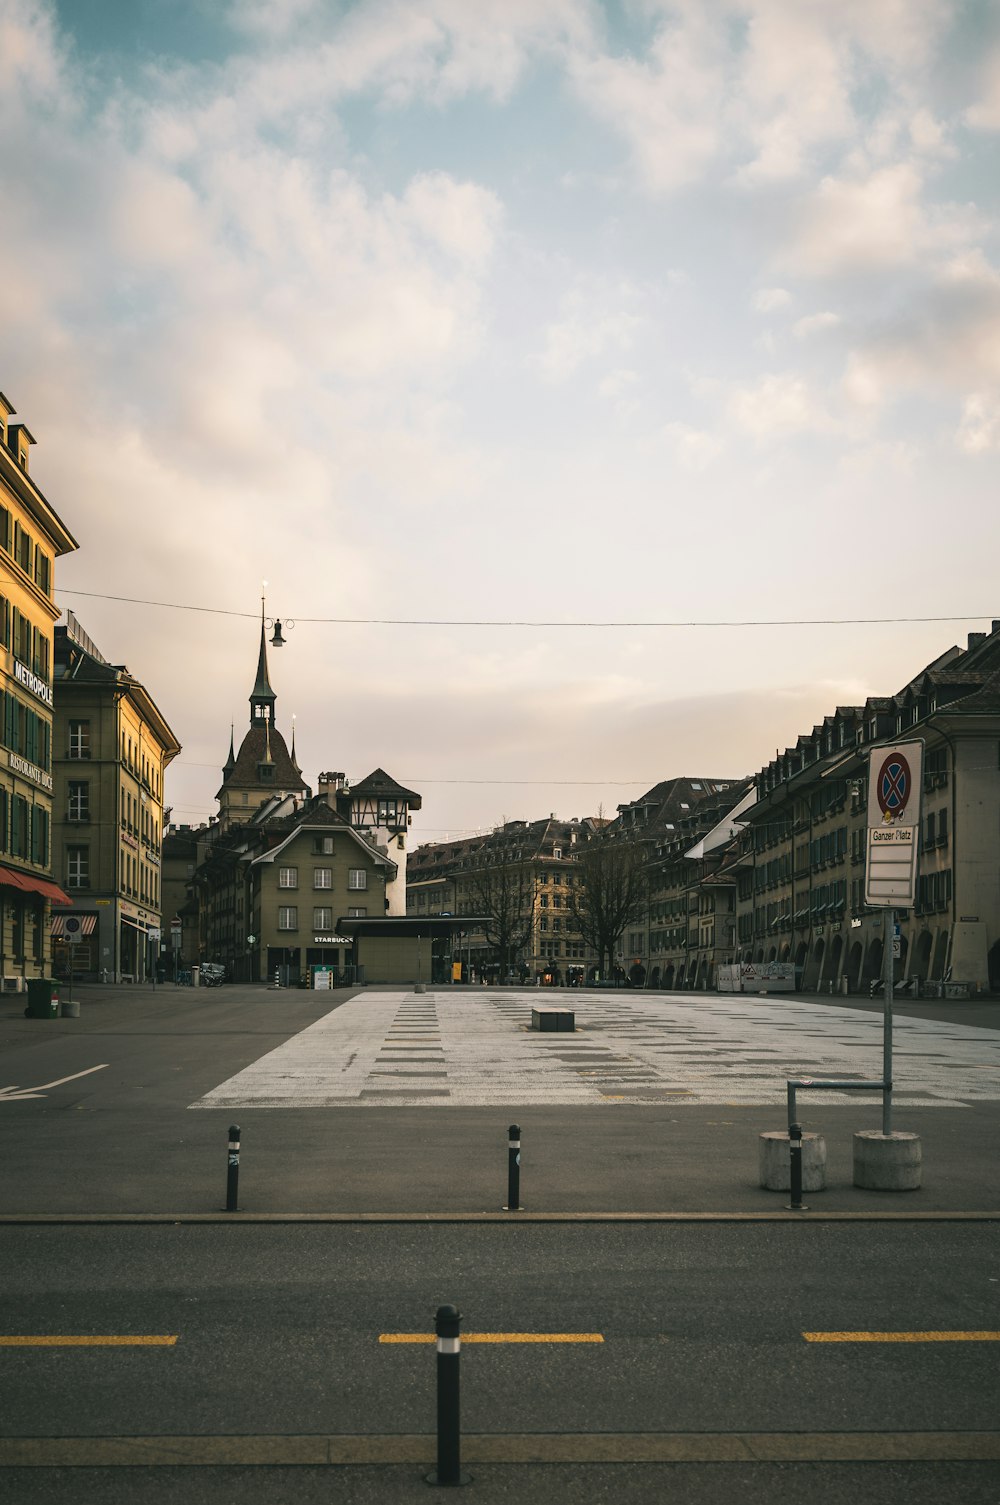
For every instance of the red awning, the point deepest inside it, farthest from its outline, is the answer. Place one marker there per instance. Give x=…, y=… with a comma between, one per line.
x=31, y=885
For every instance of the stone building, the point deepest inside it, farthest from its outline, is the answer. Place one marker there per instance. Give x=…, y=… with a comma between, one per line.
x=801, y=882
x=454, y=878
x=112, y=747
x=32, y=537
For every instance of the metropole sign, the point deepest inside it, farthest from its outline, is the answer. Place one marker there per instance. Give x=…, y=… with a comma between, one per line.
x=894, y=785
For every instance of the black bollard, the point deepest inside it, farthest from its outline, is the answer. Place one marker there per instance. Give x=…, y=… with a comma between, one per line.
x=233, y=1174
x=447, y=1323
x=795, y=1167
x=513, y=1169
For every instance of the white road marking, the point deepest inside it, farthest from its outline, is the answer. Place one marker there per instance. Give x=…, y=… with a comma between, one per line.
x=13, y=1094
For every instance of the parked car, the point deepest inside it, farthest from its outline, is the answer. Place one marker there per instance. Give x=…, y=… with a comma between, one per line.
x=213, y=974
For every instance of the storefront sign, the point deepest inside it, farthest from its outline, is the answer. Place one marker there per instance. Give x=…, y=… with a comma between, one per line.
x=331, y=940
x=32, y=683
x=27, y=770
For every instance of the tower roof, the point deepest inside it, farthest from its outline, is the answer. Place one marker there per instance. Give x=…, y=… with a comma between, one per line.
x=262, y=696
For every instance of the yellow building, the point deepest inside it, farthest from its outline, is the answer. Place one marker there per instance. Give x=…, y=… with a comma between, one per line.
x=32, y=537
x=112, y=746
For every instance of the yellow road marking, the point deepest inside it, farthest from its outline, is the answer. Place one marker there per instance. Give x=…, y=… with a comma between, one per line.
x=497, y=1338
x=928, y=1337
x=87, y=1340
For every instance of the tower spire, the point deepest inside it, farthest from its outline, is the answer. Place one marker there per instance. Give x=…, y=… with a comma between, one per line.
x=262, y=697
x=230, y=762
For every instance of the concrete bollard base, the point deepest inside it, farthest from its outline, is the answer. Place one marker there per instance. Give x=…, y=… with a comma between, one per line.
x=887, y=1162
x=775, y=1162
x=69, y=1009
x=419, y=987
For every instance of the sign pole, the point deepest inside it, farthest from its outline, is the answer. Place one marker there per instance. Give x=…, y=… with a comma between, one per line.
x=889, y=960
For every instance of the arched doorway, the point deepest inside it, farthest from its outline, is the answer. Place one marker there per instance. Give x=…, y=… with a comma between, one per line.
x=800, y=963
x=786, y=951
x=922, y=955
x=772, y=955
x=814, y=966
x=854, y=958
x=760, y=953
x=836, y=953
x=680, y=976
x=654, y=978
x=873, y=961
x=940, y=956
x=668, y=976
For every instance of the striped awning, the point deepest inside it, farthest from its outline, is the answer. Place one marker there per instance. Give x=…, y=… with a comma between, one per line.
x=87, y=924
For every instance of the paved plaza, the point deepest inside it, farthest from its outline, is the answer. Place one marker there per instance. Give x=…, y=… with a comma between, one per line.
x=467, y=1049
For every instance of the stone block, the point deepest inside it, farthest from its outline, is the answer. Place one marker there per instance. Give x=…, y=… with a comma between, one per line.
x=887, y=1162
x=775, y=1161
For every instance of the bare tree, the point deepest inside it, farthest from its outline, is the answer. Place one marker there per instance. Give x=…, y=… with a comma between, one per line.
x=610, y=892
x=502, y=889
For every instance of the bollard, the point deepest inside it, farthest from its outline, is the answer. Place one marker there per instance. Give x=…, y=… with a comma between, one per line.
x=447, y=1322
x=233, y=1173
x=795, y=1153
x=513, y=1169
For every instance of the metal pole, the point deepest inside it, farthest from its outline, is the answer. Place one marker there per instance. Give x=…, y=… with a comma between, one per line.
x=888, y=945
x=513, y=1169
x=233, y=1173
x=795, y=1167
x=447, y=1323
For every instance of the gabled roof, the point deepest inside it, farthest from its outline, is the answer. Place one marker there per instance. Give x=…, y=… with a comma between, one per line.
x=383, y=786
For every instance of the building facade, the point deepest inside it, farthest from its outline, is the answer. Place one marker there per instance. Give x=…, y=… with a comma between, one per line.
x=32, y=537
x=112, y=748
x=800, y=888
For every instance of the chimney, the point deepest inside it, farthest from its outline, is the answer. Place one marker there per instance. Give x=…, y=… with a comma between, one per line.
x=975, y=638
x=330, y=785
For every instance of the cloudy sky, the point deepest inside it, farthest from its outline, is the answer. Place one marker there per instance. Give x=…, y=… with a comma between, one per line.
x=548, y=311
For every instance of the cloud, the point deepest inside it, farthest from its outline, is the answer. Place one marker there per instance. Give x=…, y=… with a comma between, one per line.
x=947, y=341
x=979, y=430
x=778, y=406
x=815, y=324
x=594, y=318
x=984, y=115
x=667, y=106
x=694, y=449
x=767, y=299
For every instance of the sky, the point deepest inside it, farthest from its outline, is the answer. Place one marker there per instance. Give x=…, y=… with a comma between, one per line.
x=552, y=312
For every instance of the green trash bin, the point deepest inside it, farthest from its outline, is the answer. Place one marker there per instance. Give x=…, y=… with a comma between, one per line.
x=43, y=998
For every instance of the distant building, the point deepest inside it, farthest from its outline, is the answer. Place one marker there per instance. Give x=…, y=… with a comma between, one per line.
x=279, y=868
x=802, y=863
x=461, y=878
x=112, y=745
x=32, y=537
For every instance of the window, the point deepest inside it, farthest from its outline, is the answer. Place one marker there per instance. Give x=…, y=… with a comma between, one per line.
x=78, y=867
x=288, y=917
x=288, y=877
x=322, y=917
x=357, y=877
x=357, y=914
x=79, y=799
x=322, y=877
x=323, y=846
x=387, y=812
x=39, y=836
x=79, y=739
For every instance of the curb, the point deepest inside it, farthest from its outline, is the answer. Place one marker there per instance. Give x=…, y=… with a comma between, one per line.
x=139, y=1219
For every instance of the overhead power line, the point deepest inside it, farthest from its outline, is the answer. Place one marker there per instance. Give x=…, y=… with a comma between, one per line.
x=221, y=611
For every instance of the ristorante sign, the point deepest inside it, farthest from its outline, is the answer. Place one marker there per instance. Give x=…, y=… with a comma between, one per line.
x=27, y=770
x=32, y=683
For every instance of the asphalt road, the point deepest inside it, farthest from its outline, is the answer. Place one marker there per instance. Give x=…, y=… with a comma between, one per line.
x=277, y=1337
x=276, y=1386
x=123, y=1139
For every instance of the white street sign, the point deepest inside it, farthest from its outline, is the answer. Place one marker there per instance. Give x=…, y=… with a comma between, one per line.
x=894, y=788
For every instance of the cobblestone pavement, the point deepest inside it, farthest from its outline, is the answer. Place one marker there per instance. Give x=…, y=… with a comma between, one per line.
x=438, y=1048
